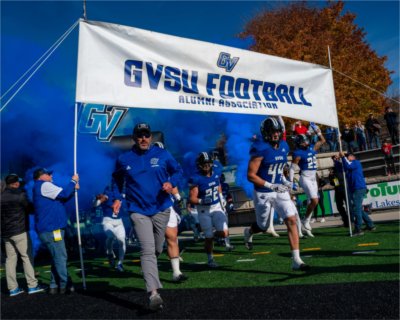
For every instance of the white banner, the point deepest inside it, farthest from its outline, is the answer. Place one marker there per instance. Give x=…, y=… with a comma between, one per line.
x=130, y=67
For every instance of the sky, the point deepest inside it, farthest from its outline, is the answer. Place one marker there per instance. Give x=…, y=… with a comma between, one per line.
x=37, y=125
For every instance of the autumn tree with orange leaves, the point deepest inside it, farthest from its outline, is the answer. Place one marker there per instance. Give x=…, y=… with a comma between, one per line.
x=300, y=32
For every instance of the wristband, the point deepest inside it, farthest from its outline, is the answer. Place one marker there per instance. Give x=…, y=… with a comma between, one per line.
x=267, y=184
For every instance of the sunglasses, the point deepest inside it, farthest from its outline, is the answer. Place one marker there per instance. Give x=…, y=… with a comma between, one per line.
x=143, y=135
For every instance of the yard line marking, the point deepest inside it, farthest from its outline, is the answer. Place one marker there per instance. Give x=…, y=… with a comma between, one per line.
x=262, y=252
x=364, y=252
x=201, y=262
x=311, y=249
x=368, y=244
x=306, y=256
x=136, y=260
x=218, y=255
x=245, y=260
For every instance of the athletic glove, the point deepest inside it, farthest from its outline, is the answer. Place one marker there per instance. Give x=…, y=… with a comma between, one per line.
x=280, y=188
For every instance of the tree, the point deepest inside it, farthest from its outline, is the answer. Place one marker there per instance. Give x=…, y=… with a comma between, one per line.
x=300, y=32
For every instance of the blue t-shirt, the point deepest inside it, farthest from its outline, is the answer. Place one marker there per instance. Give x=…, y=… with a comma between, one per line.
x=144, y=174
x=208, y=186
x=273, y=162
x=48, y=200
x=308, y=158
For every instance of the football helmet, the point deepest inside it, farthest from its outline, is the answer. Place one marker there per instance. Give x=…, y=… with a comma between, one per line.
x=204, y=162
x=302, y=141
x=269, y=127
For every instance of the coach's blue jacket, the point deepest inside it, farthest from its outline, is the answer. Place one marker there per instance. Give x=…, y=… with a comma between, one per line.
x=143, y=174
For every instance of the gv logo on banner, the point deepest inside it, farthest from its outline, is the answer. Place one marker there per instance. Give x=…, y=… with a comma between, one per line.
x=101, y=120
x=226, y=62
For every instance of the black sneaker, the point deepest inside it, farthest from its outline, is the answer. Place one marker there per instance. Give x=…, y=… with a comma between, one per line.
x=53, y=290
x=373, y=228
x=358, y=233
x=155, y=302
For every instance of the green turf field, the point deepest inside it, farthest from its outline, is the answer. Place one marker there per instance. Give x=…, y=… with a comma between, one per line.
x=333, y=255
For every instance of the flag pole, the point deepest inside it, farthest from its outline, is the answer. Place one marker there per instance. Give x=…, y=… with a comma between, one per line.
x=78, y=227
x=341, y=150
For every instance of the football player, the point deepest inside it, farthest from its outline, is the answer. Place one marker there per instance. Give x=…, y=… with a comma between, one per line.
x=305, y=159
x=171, y=233
x=206, y=194
x=265, y=170
x=112, y=226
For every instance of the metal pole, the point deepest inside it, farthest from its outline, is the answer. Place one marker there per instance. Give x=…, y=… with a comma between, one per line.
x=340, y=148
x=84, y=10
x=78, y=227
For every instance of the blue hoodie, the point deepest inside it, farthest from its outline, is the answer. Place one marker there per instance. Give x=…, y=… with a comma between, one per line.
x=144, y=173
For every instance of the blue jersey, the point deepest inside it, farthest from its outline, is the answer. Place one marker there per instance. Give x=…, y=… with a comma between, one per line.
x=308, y=158
x=271, y=167
x=144, y=174
x=208, y=186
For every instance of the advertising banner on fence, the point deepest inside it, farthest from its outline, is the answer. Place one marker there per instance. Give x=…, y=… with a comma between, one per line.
x=380, y=196
x=129, y=67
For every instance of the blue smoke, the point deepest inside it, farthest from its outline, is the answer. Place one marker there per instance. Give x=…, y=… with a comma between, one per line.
x=39, y=132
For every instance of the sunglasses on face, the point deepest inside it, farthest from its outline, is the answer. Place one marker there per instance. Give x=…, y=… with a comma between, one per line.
x=144, y=135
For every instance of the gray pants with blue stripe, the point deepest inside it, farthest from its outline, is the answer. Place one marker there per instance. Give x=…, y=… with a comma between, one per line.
x=150, y=231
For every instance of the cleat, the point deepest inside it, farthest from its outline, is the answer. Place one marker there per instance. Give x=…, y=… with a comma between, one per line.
x=179, y=278
x=322, y=220
x=309, y=234
x=212, y=264
x=16, y=292
x=120, y=267
x=306, y=225
x=230, y=248
x=155, y=302
x=273, y=233
x=248, y=239
x=300, y=266
x=37, y=289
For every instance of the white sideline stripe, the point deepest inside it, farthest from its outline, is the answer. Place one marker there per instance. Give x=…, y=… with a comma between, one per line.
x=245, y=260
x=364, y=252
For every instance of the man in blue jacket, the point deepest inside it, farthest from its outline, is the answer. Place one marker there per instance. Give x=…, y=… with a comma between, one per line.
x=51, y=220
x=149, y=174
x=357, y=191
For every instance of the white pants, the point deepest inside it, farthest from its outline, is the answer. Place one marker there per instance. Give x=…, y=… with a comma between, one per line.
x=308, y=181
x=174, y=219
x=264, y=202
x=212, y=217
x=114, y=229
